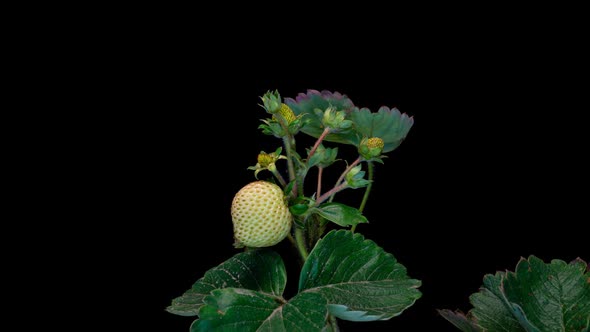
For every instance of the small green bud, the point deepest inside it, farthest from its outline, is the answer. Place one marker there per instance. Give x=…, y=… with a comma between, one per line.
x=335, y=120
x=355, y=178
x=323, y=157
x=272, y=102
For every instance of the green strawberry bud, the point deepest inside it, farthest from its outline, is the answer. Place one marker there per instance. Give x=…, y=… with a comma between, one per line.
x=265, y=159
x=272, y=102
x=336, y=120
x=371, y=148
x=355, y=178
x=287, y=113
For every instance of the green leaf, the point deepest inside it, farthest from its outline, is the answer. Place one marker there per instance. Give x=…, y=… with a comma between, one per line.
x=341, y=214
x=234, y=309
x=260, y=270
x=489, y=308
x=552, y=297
x=345, y=275
x=245, y=294
x=460, y=321
x=308, y=103
x=359, y=280
x=537, y=297
x=388, y=124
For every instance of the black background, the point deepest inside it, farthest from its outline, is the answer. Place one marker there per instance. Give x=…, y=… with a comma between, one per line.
x=492, y=170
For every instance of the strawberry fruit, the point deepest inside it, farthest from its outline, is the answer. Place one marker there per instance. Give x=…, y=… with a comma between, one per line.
x=260, y=215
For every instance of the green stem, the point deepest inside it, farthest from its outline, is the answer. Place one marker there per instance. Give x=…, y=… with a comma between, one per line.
x=292, y=240
x=279, y=177
x=300, y=238
x=333, y=323
x=299, y=181
x=371, y=168
x=287, y=143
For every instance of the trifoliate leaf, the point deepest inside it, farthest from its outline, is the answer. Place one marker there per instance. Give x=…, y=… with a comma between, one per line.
x=345, y=275
x=537, y=297
x=360, y=281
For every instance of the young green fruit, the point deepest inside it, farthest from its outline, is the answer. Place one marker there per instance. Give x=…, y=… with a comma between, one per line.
x=260, y=215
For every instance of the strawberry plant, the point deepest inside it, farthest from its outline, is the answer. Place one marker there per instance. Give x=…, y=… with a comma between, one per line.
x=342, y=274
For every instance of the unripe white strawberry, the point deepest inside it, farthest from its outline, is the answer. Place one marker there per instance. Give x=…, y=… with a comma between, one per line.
x=260, y=215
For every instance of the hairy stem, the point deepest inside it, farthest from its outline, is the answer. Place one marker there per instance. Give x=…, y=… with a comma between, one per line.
x=351, y=166
x=301, y=173
x=319, y=188
x=279, y=177
x=292, y=240
x=318, y=142
x=371, y=168
x=331, y=193
x=289, y=143
x=300, y=238
x=333, y=323
x=290, y=166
